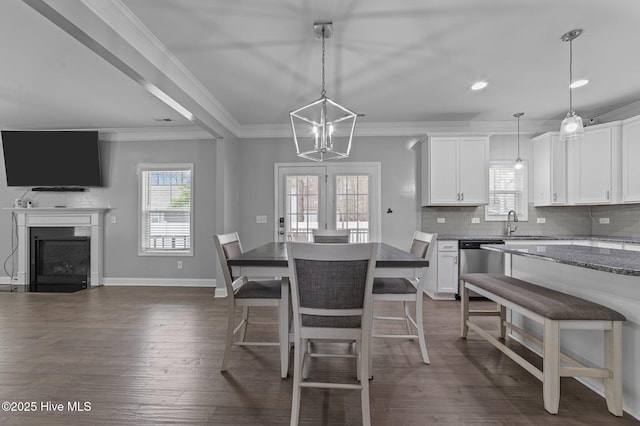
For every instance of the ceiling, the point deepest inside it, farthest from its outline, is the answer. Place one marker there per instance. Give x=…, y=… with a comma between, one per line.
x=241, y=66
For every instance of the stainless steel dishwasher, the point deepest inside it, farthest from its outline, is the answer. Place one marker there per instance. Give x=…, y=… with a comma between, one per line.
x=475, y=259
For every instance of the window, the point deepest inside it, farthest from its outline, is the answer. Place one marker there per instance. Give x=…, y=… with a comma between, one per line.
x=507, y=191
x=166, y=217
x=352, y=206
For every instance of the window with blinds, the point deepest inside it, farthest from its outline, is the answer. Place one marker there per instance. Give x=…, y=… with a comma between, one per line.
x=166, y=217
x=507, y=191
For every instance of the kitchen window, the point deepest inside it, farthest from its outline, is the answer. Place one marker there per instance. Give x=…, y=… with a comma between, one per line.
x=166, y=215
x=507, y=191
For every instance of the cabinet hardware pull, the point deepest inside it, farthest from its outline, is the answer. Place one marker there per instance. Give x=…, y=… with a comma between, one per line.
x=555, y=196
x=462, y=196
x=608, y=194
x=455, y=260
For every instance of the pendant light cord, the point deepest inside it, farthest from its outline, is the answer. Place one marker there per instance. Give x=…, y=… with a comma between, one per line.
x=518, y=135
x=570, y=74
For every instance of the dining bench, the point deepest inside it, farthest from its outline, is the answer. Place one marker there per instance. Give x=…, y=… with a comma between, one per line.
x=555, y=311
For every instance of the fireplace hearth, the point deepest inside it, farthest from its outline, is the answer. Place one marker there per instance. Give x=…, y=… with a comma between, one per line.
x=60, y=260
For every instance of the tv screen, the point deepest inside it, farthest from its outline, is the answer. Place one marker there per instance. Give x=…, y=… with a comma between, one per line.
x=52, y=158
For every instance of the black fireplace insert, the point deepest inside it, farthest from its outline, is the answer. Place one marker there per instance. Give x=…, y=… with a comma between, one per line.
x=60, y=260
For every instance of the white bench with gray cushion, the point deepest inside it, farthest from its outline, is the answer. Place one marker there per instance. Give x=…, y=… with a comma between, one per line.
x=555, y=311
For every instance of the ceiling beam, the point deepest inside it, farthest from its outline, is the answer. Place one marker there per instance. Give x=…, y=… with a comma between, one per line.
x=111, y=31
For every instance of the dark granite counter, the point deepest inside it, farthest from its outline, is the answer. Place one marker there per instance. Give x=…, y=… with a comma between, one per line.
x=517, y=237
x=622, y=262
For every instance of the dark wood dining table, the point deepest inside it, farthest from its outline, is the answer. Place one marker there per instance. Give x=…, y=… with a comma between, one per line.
x=270, y=260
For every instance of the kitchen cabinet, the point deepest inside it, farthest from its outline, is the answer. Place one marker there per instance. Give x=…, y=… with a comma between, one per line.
x=549, y=170
x=455, y=171
x=630, y=160
x=447, y=267
x=594, y=166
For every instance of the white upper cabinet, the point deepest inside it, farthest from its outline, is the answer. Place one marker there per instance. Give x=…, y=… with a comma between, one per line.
x=549, y=170
x=455, y=171
x=631, y=160
x=594, y=166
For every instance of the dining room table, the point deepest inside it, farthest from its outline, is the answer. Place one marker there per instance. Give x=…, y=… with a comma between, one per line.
x=270, y=260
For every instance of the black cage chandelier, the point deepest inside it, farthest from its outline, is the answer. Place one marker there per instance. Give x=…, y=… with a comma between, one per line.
x=323, y=129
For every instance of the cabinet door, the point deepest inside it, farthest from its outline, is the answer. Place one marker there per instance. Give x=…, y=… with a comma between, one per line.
x=448, y=272
x=630, y=161
x=594, y=180
x=472, y=163
x=558, y=171
x=443, y=171
x=542, y=171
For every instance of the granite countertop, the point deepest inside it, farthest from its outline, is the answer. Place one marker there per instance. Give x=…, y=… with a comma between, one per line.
x=515, y=237
x=622, y=262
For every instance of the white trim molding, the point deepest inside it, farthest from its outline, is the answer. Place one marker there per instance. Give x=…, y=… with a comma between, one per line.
x=159, y=282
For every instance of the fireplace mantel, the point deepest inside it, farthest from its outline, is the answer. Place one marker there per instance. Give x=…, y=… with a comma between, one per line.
x=89, y=217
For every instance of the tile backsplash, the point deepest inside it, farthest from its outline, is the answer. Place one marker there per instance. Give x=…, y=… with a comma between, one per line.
x=624, y=220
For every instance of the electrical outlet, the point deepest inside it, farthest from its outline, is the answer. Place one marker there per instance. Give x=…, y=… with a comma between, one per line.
x=604, y=221
x=440, y=220
x=261, y=218
x=114, y=219
x=475, y=220
x=542, y=220
x=179, y=264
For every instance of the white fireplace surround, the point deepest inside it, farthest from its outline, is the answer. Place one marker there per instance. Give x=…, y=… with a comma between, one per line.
x=91, y=218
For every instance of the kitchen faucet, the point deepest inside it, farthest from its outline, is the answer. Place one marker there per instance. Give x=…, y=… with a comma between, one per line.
x=510, y=229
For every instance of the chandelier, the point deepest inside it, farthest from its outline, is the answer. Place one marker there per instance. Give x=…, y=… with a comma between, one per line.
x=323, y=129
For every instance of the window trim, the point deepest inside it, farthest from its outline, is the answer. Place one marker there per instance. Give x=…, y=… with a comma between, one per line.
x=523, y=216
x=146, y=167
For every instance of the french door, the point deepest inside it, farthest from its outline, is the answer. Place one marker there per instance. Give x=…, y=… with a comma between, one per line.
x=328, y=196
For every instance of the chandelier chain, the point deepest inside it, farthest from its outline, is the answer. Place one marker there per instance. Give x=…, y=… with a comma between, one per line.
x=324, y=92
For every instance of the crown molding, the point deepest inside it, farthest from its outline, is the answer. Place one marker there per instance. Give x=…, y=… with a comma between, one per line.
x=176, y=133
x=415, y=129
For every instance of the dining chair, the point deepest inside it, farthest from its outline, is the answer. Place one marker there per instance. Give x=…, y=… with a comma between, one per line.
x=407, y=291
x=246, y=293
x=331, y=236
x=331, y=295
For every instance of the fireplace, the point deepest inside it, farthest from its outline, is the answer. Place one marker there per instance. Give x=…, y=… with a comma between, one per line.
x=60, y=259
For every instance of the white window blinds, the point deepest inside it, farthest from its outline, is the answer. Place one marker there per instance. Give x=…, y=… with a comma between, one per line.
x=165, y=209
x=507, y=191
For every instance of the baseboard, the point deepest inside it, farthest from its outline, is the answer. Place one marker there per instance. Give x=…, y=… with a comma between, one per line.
x=159, y=282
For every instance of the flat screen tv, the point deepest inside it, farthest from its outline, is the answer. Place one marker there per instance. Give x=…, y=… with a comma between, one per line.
x=52, y=159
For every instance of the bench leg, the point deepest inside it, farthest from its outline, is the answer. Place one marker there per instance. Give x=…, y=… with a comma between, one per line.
x=502, y=319
x=464, y=310
x=613, y=362
x=551, y=366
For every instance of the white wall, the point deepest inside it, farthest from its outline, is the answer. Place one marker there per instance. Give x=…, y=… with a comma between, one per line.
x=119, y=161
x=398, y=185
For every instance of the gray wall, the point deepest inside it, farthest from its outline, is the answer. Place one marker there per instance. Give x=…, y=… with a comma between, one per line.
x=398, y=180
x=119, y=161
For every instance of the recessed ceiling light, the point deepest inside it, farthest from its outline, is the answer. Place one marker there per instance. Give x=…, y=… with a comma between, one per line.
x=479, y=85
x=579, y=83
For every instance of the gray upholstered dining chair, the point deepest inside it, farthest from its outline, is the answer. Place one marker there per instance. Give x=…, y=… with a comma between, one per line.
x=407, y=291
x=331, y=295
x=331, y=236
x=245, y=293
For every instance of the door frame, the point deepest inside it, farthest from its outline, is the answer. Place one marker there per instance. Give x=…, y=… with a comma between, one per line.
x=375, y=197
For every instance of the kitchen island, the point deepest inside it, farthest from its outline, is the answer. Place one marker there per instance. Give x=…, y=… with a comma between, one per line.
x=606, y=276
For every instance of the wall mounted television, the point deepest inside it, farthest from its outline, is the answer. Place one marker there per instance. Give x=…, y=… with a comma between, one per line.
x=52, y=160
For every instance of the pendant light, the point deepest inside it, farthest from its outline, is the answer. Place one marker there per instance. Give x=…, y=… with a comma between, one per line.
x=323, y=129
x=571, y=127
x=518, y=163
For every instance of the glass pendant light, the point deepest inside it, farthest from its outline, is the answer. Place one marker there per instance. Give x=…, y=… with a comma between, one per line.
x=571, y=127
x=518, y=163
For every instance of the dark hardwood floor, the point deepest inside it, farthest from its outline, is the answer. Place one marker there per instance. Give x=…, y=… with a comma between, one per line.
x=151, y=356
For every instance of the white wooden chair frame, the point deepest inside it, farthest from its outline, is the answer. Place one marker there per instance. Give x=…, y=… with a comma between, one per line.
x=416, y=298
x=232, y=287
x=304, y=335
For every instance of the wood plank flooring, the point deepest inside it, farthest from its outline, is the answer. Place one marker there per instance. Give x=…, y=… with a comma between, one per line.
x=151, y=356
